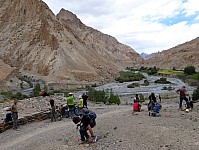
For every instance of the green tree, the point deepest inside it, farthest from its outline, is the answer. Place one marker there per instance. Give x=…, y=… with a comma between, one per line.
x=97, y=96
x=45, y=88
x=190, y=70
x=195, y=95
x=37, y=89
x=113, y=98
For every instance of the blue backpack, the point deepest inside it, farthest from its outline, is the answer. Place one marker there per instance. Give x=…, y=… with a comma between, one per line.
x=156, y=107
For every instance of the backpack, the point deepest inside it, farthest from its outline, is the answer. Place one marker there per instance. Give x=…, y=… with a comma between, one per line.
x=156, y=107
x=92, y=117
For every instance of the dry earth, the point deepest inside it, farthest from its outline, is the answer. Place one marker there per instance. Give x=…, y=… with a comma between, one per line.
x=117, y=128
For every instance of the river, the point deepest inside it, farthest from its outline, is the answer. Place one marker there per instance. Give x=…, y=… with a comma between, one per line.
x=121, y=88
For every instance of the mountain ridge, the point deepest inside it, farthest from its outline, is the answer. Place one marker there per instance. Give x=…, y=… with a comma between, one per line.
x=58, y=48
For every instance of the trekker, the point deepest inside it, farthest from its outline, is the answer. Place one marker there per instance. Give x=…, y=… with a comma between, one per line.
x=14, y=111
x=52, y=104
x=156, y=110
x=183, y=93
x=80, y=103
x=85, y=99
x=86, y=121
x=70, y=103
x=136, y=104
x=152, y=101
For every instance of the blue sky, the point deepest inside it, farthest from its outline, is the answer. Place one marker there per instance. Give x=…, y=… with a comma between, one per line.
x=146, y=25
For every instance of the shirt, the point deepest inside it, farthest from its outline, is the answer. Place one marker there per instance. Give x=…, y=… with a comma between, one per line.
x=14, y=108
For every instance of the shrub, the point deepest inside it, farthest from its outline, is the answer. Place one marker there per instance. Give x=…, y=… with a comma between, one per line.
x=195, y=95
x=97, y=96
x=127, y=76
x=36, y=90
x=133, y=85
x=113, y=99
x=10, y=95
x=146, y=82
x=141, y=98
x=162, y=81
x=190, y=70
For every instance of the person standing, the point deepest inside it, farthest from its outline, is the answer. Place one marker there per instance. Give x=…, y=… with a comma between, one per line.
x=14, y=111
x=52, y=104
x=85, y=98
x=152, y=101
x=80, y=103
x=183, y=93
x=70, y=103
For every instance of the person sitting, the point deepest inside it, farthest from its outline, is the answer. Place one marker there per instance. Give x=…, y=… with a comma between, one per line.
x=156, y=110
x=136, y=104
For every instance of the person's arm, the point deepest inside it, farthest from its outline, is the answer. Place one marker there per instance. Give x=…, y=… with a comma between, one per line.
x=177, y=91
x=90, y=131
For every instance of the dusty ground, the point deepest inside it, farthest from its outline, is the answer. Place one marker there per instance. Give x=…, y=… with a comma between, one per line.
x=117, y=128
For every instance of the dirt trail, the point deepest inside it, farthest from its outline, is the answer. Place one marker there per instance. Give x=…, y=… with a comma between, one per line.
x=25, y=135
x=118, y=129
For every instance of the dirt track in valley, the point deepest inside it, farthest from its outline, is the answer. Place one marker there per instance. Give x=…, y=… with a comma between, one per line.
x=118, y=129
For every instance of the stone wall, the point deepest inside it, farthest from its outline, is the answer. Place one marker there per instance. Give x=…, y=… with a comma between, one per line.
x=38, y=116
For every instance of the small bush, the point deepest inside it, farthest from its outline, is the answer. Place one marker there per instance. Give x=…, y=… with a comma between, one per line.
x=195, y=95
x=133, y=85
x=146, y=83
x=162, y=81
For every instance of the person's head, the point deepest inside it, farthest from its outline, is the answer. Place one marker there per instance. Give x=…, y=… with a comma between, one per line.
x=76, y=119
x=183, y=87
x=152, y=94
x=70, y=94
x=136, y=95
x=15, y=101
x=80, y=96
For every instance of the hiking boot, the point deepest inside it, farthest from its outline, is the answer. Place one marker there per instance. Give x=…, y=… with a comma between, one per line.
x=82, y=142
x=94, y=139
x=16, y=129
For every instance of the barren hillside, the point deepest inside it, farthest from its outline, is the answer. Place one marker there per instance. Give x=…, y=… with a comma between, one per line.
x=179, y=57
x=58, y=48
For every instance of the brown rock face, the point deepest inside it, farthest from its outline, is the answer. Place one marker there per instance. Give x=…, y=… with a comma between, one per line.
x=181, y=56
x=58, y=48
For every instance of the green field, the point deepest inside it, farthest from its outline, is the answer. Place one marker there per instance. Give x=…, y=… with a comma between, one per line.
x=170, y=72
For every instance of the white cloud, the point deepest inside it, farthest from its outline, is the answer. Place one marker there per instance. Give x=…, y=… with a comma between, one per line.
x=139, y=24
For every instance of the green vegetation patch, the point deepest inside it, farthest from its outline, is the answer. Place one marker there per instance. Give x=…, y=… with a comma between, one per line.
x=128, y=76
x=170, y=72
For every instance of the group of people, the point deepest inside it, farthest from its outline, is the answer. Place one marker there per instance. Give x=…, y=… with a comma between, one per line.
x=154, y=105
x=85, y=118
x=70, y=108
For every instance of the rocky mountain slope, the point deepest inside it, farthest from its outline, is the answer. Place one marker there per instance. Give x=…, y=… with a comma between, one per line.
x=179, y=57
x=58, y=48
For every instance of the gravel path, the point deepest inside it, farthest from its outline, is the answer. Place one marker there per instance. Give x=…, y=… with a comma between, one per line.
x=117, y=128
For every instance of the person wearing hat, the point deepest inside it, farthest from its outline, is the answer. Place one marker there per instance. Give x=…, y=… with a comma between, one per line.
x=80, y=103
x=70, y=103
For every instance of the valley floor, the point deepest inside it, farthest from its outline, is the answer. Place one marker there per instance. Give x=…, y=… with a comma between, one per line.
x=117, y=128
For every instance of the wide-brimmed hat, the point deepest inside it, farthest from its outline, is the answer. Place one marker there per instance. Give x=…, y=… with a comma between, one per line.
x=70, y=93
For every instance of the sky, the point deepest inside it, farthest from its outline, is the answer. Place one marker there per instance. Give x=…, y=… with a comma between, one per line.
x=145, y=25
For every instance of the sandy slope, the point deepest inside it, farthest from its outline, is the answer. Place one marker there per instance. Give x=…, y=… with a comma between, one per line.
x=118, y=129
